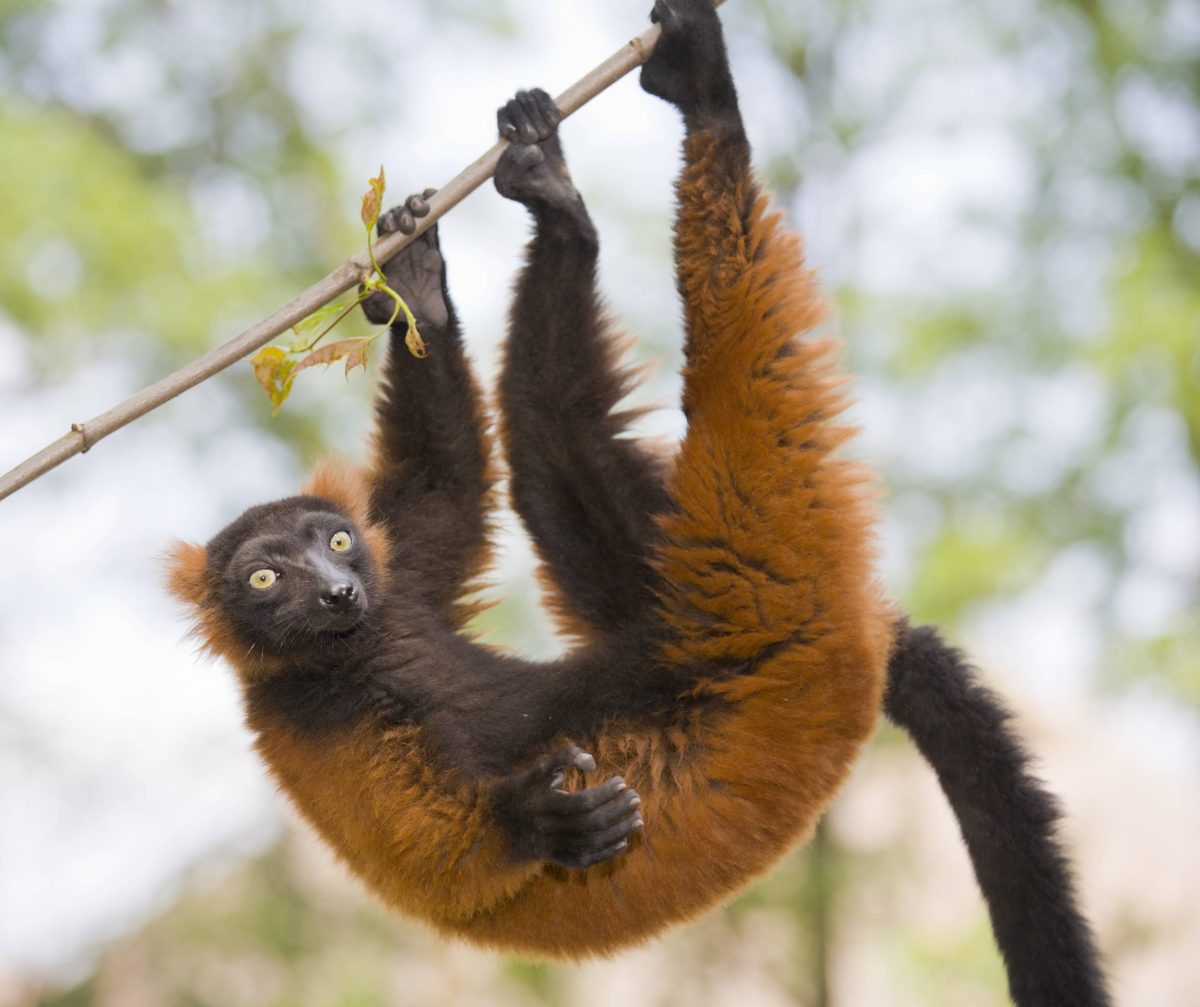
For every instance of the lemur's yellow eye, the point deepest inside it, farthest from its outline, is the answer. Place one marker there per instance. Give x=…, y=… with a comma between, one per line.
x=260, y=580
x=341, y=541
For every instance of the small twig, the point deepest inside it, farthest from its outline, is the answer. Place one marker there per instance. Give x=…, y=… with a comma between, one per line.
x=84, y=436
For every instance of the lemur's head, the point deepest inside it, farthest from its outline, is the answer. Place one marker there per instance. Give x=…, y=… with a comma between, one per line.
x=288, y=582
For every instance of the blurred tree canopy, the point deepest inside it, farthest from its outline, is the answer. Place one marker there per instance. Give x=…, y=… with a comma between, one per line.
x=183, y=227
x=1092, y=315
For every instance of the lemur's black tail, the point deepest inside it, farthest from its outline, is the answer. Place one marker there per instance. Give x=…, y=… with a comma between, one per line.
x=1007, y=819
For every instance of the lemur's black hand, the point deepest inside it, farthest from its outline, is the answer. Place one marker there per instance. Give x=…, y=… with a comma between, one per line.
x=532, y=169
x=403, y=218
x=689, y=66
x=569, y=829
x=416, y=272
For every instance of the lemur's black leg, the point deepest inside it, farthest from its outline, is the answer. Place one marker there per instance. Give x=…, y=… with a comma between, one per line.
x=431, y=468
x=587, y=496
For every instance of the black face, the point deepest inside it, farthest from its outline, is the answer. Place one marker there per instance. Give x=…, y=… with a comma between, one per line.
x=293, y=578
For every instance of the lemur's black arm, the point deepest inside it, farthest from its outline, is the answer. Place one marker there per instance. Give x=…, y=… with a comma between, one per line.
x=431, y=475
x=587, y=495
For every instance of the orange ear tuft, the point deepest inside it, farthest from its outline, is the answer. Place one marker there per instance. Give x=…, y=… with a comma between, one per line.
x=342, y=483
x=187, y=565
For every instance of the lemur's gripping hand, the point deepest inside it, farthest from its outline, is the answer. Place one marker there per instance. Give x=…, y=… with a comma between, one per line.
x=689, y=66
x=417, y=272
x=532, y=169
x=569, y=829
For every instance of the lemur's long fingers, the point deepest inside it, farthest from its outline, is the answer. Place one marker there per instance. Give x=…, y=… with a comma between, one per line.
x=570, y=817
x=403, y=218
x=615, y=833
x=523, y=130
x=398, y=218
x=551, y=112
x=416, y=205
x=594, y=797
x=540, y=111
x=578, y=839
x=504, y=124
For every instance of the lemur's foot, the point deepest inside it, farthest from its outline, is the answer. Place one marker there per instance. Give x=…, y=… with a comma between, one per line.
x=569, y=829
x=417, y=272
x=689, y=66
x=532, y=169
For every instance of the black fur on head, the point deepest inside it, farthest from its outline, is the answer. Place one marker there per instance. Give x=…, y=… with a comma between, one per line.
x=293, y=579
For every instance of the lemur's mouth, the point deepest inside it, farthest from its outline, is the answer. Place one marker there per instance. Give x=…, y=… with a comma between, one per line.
x=348, y=624
x=345, y=634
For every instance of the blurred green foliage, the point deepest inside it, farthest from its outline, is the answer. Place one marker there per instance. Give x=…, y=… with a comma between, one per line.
x=1112, y=185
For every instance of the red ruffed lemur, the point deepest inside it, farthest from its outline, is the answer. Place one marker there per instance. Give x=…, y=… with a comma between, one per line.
x=734, y=648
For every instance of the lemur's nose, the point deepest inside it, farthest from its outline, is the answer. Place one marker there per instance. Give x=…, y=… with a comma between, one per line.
x=339, y=597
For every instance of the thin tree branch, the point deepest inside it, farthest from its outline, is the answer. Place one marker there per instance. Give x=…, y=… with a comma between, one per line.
x=83, y=436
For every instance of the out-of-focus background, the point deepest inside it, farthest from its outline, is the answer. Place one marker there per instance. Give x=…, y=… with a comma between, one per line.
x=1004, y=198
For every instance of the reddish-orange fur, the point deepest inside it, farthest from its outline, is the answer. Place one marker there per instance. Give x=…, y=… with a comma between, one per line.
x=187, y=580
x=768, y=559
x=727, y=795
